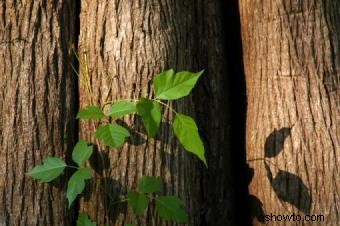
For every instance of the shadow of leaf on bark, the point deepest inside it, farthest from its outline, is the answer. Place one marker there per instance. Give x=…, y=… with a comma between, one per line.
x=269, y=173
x=115, y=192
x=290, y=188
x=256, y=206
x=287, y=186
x=99, y=160
x=137, y=132
x=111, y=198
x=274, y=142
x=249, y=173
x=256, y=209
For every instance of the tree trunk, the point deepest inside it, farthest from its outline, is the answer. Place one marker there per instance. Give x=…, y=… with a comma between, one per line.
x=36, y=107
x=292, y=65
x=127, y=43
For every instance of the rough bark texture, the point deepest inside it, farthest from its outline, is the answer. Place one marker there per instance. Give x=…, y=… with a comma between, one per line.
x=127, y=43
x=35, y=107
x=292, y=66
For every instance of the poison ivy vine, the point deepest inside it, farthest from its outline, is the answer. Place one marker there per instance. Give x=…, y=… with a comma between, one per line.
x=168, y=86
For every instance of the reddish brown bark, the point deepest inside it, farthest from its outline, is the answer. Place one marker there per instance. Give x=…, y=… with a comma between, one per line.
x=292, y=62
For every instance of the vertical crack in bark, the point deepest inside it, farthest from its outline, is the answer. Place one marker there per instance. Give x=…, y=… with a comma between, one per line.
x=238, y=107
x=75, y=62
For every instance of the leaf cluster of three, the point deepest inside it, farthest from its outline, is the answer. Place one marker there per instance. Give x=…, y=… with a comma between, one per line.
x=52, y=167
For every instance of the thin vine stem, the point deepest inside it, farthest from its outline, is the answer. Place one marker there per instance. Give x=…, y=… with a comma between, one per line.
x=73, y=167
x=111, y=102
x=256, y=159
x=120, y=201
x=264, y=160
x=87, y=85
x=166, y=105
x=136, y=100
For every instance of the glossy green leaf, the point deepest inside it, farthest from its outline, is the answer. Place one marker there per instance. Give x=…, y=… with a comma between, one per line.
x=83, y=220
x=151, y=114
x=149, y=184
x=81, y=152
x=76, y=184
x=90, y=112
x=50, y=169
x=171, y=208
x=122, y=108
x=171, y=86
x=138, y=201
x=186, y=131
x=113, y=135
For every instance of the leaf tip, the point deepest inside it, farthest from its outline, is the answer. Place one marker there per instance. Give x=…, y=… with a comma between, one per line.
x=205, y=163
x=201, y=72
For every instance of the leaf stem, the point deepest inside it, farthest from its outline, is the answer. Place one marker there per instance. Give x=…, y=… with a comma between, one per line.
x=73, y=167
x=264, y=160
x=164, y=104
x=256, y=159
x=120, y=201
x=111, y=102
x=87, y=85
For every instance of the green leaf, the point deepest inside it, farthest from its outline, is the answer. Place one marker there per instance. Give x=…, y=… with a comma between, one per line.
x=112, y=135
x=151, y=114
x=83, y=220
x=50, y=169
x=122, y=108
x=76, y=184
x=171, y=208
x=81, y=152
x=90, y=112
x=171, y=86
x=128, y=225
x=149, y=184
x=139, y=202
x=186, y=131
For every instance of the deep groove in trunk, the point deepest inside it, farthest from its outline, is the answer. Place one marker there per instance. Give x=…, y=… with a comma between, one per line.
x=238, y=104
x=75, y=62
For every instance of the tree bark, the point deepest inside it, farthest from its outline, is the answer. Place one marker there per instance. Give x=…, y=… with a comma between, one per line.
x=292, y=62
x=36, y=107
x=127, y=43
